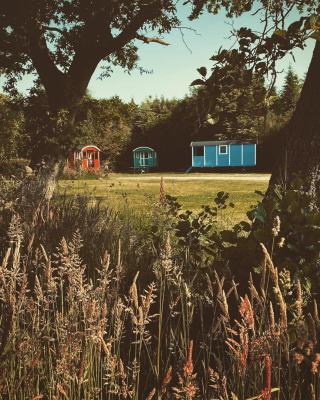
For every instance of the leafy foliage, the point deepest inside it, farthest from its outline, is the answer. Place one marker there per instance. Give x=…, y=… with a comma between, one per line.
x=12, y=140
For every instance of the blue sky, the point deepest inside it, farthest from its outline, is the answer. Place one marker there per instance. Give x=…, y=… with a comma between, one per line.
x=174, y=67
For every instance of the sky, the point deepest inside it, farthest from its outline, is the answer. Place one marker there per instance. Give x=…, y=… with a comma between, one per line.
x=172, y=68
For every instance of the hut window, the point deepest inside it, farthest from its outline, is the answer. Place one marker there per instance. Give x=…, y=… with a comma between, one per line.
x=223, y=149
x=198, y=151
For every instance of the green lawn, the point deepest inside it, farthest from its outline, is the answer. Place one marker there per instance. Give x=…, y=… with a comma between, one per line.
x=139, y=193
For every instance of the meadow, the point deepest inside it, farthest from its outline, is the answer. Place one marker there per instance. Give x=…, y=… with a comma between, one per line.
x=139, y=193
x=93, y=308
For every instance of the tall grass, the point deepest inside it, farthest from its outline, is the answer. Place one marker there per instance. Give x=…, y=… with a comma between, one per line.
x=64, y=337
x=143, y=329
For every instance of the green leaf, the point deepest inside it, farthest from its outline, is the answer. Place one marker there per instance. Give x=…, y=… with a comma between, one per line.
x=295, y=26
x=280, y=32
x=202, y=71
x=229, y=236
x=197, y=82
x=245, y=226
x=314, y=21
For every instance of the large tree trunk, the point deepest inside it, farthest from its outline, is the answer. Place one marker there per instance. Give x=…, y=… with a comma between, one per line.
x=301, y=151
x=56, y=140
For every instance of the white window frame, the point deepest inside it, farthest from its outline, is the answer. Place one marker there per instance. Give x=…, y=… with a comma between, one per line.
x=227, y=150
x=143, y=158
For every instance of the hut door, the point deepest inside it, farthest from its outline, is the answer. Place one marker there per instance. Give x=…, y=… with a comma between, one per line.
x=144, y=159
x=91, y=156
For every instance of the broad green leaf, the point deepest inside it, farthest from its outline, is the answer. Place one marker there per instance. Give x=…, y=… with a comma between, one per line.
x=202, y=71
x=198, y=82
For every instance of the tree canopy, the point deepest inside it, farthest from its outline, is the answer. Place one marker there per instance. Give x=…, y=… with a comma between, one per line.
x=63, y=42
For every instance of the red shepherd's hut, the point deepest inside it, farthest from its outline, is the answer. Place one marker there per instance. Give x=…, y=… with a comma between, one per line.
x=87, y=157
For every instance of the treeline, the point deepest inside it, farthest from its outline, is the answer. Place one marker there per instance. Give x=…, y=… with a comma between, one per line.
x=166, y=125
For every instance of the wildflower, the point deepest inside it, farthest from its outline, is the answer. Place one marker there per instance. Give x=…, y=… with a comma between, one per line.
x=281, y=242
x=275, y=226
x=285, y=279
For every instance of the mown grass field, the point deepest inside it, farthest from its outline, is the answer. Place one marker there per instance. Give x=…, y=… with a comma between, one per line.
x=138, y=193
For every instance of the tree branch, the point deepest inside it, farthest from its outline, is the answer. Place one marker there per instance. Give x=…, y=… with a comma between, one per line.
x=54, y=29
x=130, y=31
x=152, y=40
x=49, y=74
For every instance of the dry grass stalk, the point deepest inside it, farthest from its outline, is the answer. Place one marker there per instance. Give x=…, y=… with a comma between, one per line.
x=133, y=292
x=80, y=335
x=276, y=288
x=299, y=301
x=187, y=387
x=162, y=197
x=166, y=381
x=151, y=394
x=266, y=393
x=272, y=320
x=312, y=330
x=247, y=312
x=316, y=314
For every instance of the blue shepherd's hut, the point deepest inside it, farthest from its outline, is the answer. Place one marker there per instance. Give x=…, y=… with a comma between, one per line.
x=144, y=158
x=226, y=153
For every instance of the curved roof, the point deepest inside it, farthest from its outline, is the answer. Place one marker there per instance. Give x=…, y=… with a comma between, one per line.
x=143, y=148
x=89, y=145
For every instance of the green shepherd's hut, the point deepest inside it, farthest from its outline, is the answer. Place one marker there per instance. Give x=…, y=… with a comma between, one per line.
x=144, y=158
